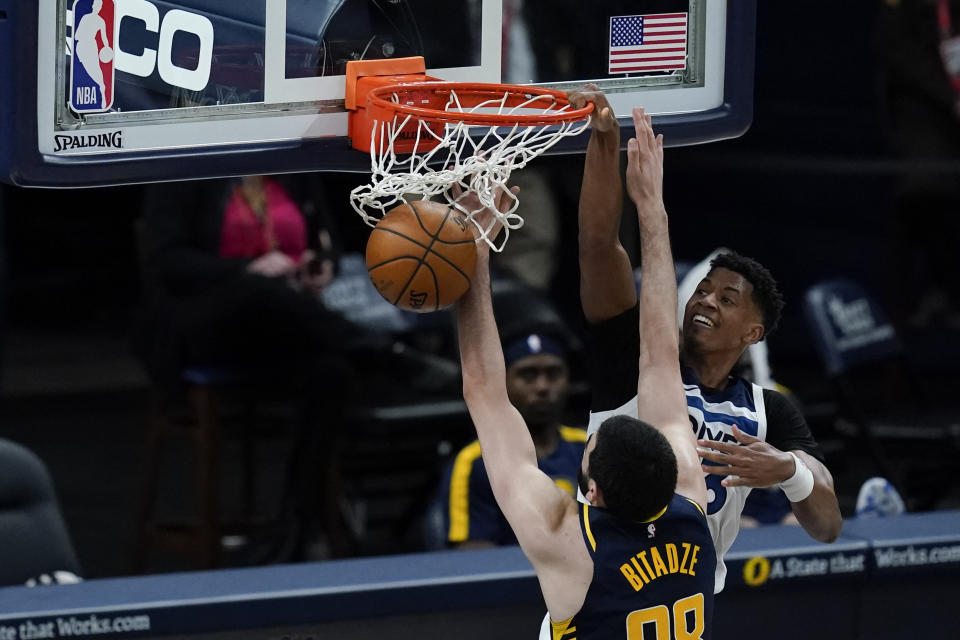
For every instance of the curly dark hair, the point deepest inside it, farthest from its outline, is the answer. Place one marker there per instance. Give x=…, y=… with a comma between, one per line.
x=766, y=294
x=635, y=468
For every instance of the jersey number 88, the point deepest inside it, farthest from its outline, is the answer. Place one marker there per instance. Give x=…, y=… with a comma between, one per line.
x=685, y=625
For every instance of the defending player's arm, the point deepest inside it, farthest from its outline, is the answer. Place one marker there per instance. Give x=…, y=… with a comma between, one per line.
x=660, y=395
x=606, y=275
x=818, y=513
x=532, y=503
x=753, y=463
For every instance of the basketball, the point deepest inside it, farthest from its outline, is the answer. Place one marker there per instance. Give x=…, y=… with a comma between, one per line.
x=421, y=256
x=106, y=55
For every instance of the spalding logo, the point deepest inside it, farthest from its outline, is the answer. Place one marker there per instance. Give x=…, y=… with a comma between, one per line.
x=109, y=140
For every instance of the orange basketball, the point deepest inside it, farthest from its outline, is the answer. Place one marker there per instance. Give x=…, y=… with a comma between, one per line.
x=421, y=256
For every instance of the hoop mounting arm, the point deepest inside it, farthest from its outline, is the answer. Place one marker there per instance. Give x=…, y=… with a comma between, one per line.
x=363, y=77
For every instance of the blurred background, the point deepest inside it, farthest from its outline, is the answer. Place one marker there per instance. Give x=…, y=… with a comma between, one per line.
x=850, y=169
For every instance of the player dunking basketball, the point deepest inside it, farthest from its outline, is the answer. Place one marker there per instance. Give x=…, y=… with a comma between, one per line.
x=86, y=49
x=640, y=553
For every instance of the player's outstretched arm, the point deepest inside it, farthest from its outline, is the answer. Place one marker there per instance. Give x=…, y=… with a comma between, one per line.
x=662, y=402
x=606, y=275
x=533, y=505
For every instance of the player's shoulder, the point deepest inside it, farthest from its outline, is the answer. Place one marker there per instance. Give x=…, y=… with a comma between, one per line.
x=778, y=392
x=778, y=403
x=683, y=507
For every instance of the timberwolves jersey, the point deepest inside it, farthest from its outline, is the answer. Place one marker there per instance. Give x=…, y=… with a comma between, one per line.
x=652, y=579
x=713, y=415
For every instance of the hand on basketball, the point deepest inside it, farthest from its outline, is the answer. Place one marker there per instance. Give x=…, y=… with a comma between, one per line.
x=644, y=163
x=752, y=463
x=603, y=119
x=274, y=264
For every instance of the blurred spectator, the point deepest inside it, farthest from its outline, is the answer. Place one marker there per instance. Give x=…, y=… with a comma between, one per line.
x=921, y=98
x=537, y=384
x=233, y=272
x=878, y=498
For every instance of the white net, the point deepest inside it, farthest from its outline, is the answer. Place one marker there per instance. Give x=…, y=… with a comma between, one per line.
x=478, y=158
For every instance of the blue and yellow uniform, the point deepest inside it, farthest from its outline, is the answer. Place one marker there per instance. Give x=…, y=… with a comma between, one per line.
x=650, y=580
x=469, y=508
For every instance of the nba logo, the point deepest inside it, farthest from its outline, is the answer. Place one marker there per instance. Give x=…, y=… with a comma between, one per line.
x=91, y=66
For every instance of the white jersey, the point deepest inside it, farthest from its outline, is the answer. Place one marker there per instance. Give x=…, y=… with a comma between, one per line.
x=712, y=417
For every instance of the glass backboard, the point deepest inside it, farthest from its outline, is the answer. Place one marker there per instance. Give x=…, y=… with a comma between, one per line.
x=121, y=91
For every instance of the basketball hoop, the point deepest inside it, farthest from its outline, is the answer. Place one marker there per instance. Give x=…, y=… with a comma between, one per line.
x=425, y=136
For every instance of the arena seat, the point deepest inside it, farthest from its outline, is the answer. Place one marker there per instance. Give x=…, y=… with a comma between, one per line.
x=35, y=540
x=198, y=418
x=879, y=399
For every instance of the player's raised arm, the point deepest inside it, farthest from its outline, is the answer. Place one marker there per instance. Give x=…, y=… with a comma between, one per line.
x=606, y=275
x=661, y=399
x=531, y=502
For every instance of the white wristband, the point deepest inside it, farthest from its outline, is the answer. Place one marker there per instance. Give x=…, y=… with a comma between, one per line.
x=800, y=484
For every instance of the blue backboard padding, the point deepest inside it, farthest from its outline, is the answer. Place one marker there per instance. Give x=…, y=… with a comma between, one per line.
x=7, y=84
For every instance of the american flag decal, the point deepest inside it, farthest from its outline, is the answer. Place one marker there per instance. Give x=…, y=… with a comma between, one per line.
x=649, y=43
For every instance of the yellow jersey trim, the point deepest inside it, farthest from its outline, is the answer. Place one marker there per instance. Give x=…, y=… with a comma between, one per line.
x=460, y=493
x=699, y=508
x=563, y=630
x=662, y=511
x=586, y=527
x=572, y=434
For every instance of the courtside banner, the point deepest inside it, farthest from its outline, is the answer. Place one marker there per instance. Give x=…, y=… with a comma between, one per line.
x=270, y=598
x=850, y=562
x=918, y=556
x=759, y=570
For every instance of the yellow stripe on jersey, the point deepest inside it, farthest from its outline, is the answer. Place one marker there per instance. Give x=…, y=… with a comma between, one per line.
x=460, y=493
x=586, y=526
x=571, y=434
x=662, y=511
x=699, y=508
x=563, y=630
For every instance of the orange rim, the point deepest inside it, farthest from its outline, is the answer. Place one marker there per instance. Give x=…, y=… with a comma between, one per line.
x=471, y=94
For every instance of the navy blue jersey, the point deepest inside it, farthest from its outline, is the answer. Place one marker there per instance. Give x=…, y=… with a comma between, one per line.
x=470, y=509
x=650, y=580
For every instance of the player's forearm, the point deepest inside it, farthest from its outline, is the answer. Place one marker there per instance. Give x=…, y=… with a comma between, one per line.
x=607, y=287
x=658, y=293
x=601, y=198
x=819, y=513
x=481, y=355
x=504, y=439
